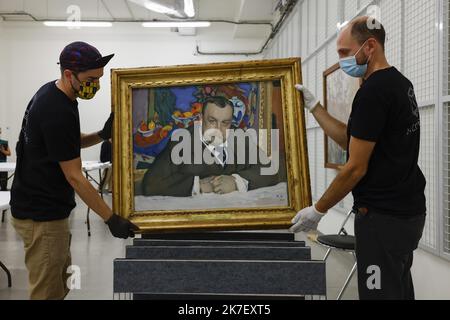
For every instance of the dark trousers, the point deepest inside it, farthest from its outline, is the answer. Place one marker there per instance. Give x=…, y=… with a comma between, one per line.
x=3, y=181
x=384, y=252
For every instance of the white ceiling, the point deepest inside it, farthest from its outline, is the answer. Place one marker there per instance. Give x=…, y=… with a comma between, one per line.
x=233, y=10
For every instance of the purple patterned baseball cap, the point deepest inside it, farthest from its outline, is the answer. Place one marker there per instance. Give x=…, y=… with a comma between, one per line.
x=81, y=56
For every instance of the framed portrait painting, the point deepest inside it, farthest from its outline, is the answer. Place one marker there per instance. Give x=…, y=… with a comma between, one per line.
x=339, y=92
x=209, y=147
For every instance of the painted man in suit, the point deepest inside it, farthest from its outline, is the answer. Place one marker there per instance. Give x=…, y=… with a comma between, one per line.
x=225, y=175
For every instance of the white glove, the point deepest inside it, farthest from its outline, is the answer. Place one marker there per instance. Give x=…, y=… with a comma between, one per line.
x=306, y=220
x=311, y=102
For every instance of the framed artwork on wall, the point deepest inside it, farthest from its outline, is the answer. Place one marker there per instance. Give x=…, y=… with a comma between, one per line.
x=339, y=92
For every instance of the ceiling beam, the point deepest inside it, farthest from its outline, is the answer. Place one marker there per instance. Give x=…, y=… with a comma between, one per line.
x=129, y=9
x=108, y=10
x=249, y=10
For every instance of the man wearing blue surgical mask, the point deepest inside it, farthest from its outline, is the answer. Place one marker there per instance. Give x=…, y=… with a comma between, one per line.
x=382, y=138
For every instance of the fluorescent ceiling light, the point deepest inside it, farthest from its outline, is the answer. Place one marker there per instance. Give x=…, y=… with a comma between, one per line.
x=156, y=7
x=189, y=8
x=78, y=24
x=177, y=24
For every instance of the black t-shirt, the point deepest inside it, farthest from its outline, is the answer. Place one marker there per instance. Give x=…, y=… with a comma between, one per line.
x=385, y=111
x=50, y=134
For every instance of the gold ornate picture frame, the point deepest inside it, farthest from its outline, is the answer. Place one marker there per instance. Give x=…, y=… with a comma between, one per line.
x=150, y=104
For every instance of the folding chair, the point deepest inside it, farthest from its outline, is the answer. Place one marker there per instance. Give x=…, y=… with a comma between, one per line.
x=344, y=242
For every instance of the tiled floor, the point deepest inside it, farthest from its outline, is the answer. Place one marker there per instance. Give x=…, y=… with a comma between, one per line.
x=94, y=256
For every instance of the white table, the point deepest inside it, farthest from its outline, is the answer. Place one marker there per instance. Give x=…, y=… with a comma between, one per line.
x=89, y=166
x=95, y=165
x=8, y=167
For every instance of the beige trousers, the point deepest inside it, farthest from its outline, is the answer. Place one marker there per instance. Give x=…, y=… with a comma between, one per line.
x=47, y=257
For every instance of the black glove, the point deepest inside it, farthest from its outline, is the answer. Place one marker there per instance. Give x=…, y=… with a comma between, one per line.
x=106, y=132
x=120, y=227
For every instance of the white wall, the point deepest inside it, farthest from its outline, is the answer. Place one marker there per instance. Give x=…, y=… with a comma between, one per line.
x=310, y=33
x=30, y=52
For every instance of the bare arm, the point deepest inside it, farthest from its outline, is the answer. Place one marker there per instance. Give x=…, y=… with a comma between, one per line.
x=333, y=128
x=89, y=140
x=351, y=174
x=72, y=172
x=5, y=150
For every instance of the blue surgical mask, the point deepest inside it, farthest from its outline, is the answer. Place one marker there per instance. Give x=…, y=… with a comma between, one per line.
x=351, y=67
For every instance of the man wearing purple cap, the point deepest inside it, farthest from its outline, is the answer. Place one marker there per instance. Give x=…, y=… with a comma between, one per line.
x=49, y=171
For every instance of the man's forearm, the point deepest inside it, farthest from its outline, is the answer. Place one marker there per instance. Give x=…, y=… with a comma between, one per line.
x=5, y=151
x=91, y=197
x=344, y=183
x=89, y=140
x=333, y=128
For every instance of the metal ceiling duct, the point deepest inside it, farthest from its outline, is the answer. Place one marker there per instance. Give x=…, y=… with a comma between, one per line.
x=285, y=7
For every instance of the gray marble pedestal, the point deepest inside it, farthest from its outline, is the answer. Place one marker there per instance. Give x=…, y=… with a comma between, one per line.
x=218, y=266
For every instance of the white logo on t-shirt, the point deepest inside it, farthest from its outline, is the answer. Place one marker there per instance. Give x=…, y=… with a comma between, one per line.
x=413, y=100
